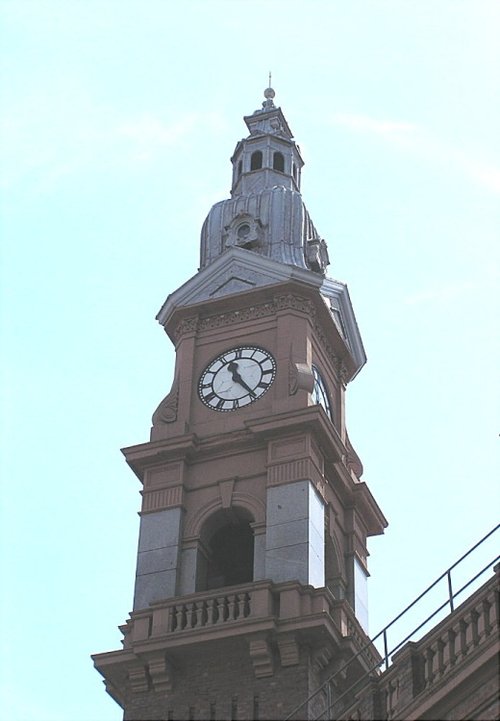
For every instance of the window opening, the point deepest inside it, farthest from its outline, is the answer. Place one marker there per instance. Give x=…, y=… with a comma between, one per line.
x=243, y=231
x=231, y=556
x=240, y=168
x=256, y=160
x=279, y=162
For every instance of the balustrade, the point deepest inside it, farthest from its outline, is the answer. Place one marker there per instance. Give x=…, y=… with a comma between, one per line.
x=456, y=642
x=212, y=611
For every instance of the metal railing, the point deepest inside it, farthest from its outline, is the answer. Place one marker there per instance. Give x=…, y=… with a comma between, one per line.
x=325, y=688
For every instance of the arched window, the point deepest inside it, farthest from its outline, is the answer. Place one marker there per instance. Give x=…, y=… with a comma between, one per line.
x=226, y=552
x=279, y=162
x=256, y=160
x=240, y=167
x=231, y=556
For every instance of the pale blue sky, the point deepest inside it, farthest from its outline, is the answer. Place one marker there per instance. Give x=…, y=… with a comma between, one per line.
x=118, y=121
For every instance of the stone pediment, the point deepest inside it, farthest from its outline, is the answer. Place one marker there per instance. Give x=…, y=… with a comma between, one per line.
x=231, y=285
x=235, y=271
x=239, y=270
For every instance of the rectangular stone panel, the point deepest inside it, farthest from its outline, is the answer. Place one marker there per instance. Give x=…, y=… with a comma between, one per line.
x=159, y=559
x=163, y=476
x=295, y=548
x=288, y=563
x=317, y=513
x=287, y=448
x=154, y=587
x=288, y=502
x=316, y=568
x=160, y=529
x=187, y=580
x=288, y=534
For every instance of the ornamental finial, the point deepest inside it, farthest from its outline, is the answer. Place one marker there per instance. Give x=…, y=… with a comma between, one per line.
x=269, y=95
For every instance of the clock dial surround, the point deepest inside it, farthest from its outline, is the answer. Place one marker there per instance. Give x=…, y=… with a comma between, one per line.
x=236, y=378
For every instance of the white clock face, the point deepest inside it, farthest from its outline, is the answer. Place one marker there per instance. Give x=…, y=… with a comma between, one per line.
x=236, y=378
x=320, y=393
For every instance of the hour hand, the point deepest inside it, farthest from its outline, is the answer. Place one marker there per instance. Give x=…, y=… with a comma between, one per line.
x=233, y=368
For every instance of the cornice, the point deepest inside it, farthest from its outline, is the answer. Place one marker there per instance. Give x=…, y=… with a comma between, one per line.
x=267, y=302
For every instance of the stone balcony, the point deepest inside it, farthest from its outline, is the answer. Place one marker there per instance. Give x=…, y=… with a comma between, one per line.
x=451, y=673
x=270, y=620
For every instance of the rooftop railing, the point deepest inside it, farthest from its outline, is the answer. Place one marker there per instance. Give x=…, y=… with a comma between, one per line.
x=446, y=578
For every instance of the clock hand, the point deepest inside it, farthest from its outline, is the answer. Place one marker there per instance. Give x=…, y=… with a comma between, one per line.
x=233, y=367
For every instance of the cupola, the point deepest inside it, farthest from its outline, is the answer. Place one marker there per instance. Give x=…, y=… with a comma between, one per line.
x=268, y=157
x=265, y=213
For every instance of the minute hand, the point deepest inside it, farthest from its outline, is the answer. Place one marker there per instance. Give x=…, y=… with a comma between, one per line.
x=233, y=367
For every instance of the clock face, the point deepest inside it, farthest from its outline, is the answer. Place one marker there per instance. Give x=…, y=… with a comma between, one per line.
x=236, y=378
x=320, y=394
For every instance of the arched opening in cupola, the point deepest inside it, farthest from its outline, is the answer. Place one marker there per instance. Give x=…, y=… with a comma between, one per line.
x=279, y=161
x=256, y=160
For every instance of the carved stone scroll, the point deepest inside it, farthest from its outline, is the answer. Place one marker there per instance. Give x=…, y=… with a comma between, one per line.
x=167, y=410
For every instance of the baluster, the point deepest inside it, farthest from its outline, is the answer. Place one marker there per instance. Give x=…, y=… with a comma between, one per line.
x=386, y=702
x=440, y=656
x=179, y=617
x=392, y=698
x=451, y=647
x=247, y=605
x=221, y=609
x=429, y=662
x=231, y=607
x=199, y=613
x=171, y=619
x=486, y=607
x=190, y=615
x=474, y=618
x=463, y=636
x=211, y=611
x=241, y=605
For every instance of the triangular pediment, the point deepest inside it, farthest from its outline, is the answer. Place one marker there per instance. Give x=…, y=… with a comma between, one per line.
x=234, y=284
x=236, y=271
x=239, y=270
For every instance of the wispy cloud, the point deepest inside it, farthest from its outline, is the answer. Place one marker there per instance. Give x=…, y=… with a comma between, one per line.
x=416, y=140
x=373, y=125
x=149, y=133
x=46, y=138
x=440, y=294
x=450, y=292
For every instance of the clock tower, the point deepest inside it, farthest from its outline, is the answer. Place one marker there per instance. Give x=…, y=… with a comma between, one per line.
x=252, y=561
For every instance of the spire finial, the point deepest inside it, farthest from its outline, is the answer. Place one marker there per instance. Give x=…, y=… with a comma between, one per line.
x=269, y=95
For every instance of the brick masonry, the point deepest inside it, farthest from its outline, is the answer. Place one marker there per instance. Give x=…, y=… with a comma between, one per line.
x=219, y=683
